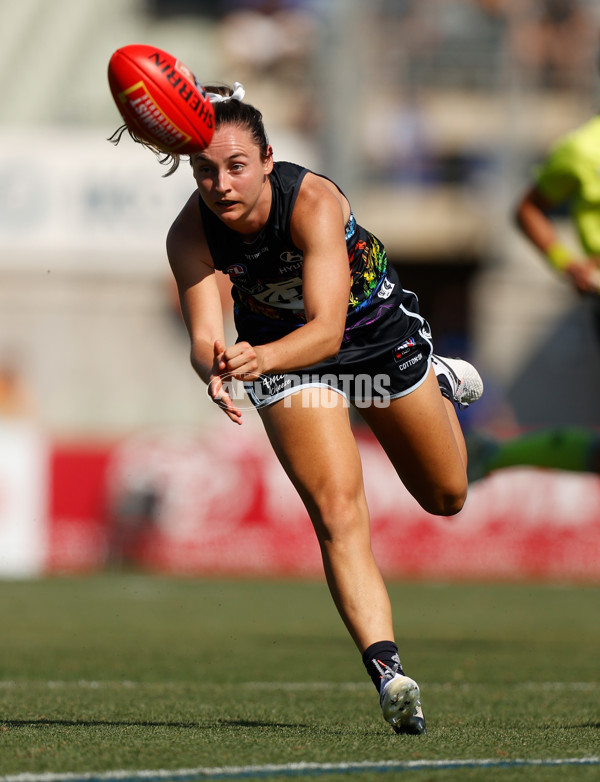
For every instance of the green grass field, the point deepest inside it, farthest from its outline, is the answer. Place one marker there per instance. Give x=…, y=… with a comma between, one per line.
x=124, y=673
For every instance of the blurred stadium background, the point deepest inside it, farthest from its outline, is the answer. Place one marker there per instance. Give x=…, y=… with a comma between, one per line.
x=430, y=114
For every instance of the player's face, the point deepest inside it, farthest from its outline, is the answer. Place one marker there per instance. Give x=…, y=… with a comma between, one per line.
x=232, y=178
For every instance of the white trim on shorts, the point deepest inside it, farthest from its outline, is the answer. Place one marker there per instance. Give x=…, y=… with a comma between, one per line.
x=400, y=394
x=290, y=391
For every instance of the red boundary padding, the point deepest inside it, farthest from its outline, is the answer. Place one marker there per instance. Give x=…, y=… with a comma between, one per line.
x=218, y=504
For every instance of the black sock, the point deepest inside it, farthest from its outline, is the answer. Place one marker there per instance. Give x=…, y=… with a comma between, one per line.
x=379, y=657
x=445, y=387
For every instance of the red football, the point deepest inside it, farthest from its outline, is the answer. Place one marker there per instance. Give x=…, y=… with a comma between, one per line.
x=160, y=99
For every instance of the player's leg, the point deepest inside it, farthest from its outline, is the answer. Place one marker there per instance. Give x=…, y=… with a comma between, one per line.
x=311, y=435
x=422, y=437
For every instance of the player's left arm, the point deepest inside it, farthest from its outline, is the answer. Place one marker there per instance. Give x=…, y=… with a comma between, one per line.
x=318, y=230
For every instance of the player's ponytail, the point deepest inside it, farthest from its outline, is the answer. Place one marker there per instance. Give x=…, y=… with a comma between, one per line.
x=164, y=157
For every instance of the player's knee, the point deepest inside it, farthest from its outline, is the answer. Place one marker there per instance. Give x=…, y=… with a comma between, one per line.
x=446, y=501
x=453, y=504
x=336, y=514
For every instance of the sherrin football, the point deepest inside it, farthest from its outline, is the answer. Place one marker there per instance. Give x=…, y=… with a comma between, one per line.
x=160, y=99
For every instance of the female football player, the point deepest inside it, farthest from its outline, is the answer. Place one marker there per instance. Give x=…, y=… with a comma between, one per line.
x=322, y=322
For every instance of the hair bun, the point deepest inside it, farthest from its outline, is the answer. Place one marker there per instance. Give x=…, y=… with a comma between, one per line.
x=237, y=94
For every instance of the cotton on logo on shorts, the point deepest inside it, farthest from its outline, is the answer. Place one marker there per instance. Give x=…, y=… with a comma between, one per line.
x=410, y=362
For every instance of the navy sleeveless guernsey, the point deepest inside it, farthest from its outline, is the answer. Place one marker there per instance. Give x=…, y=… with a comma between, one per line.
x=266, y=273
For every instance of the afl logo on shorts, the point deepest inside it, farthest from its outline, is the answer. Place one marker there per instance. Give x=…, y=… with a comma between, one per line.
x=401, y=350
x=236, y=270
x=407, y=355
x=288, y=257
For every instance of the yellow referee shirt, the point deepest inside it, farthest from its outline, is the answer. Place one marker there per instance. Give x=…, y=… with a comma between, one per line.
x=571, y=173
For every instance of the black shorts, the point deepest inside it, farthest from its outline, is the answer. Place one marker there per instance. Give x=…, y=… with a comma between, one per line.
x=382, y=361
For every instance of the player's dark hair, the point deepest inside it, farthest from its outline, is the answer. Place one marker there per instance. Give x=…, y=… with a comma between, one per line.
x=244, y=115
x=164, y=157
x=229, y=112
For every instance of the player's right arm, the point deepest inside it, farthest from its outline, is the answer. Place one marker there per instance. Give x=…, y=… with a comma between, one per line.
x=194, y=272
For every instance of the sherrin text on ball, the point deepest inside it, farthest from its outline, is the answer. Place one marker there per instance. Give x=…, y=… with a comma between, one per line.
x=160, y=99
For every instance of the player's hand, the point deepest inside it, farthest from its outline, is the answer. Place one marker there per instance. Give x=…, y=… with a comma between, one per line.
x=216, y=387
x=585, y=275
x=242, y=361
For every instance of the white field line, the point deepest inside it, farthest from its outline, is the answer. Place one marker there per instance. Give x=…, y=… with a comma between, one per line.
x=298, y=686
x=295, y=770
